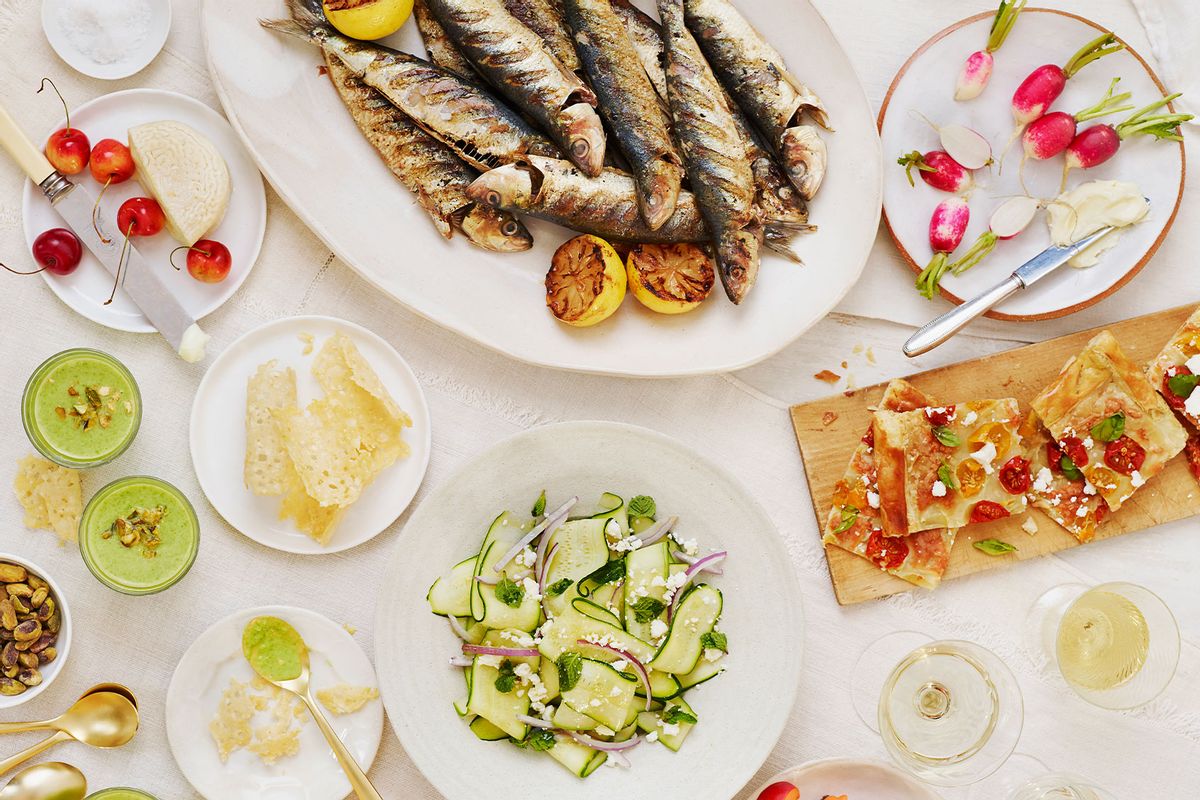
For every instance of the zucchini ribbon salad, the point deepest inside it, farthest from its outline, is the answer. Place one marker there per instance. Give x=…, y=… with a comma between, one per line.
x=581, y=633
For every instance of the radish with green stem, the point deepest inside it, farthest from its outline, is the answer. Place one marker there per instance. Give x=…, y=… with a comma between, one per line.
x=977, y=70
x=968, y=147
x=946, y=229
x=1049, y=135
x=938, y=169
x=1008, y=220
x=1093, y=146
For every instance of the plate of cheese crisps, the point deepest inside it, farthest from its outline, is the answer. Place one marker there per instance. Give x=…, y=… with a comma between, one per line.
x=310, y=435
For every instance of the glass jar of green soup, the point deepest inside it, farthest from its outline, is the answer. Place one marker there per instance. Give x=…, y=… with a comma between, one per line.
x=120, y=793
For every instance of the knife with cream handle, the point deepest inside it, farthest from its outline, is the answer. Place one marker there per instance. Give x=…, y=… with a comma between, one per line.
x=74, y=203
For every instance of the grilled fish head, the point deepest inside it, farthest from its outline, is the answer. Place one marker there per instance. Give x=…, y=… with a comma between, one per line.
x=804, y=156
x=495, y=230
x=585, y=133
x=510, y=186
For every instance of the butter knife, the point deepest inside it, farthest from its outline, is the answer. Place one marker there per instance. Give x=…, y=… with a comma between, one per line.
x=74, y=203
x=938, y=330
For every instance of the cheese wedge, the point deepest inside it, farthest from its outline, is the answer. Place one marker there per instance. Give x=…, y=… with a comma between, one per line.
x=183, y=171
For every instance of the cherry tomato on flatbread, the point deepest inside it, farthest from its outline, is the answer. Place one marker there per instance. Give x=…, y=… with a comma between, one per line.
x=971, y=477
x=994, y=432
x=1103, y=478
x=1192, y=451
x=1072, y=447
x=940, y=416
x=1014, y=475
x=1124, y=455
x=887, y=552
x=986, y=511
x=1101, y=512
x=1173, y=400
x=1054, y=456
x=869, y=437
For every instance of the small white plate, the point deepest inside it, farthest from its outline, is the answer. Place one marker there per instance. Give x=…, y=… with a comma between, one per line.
x=218, y=433
x=925, y=84
x=110, y=117
x=742, y=712
x=134, y=59
x=204, y=673
x=858, y=780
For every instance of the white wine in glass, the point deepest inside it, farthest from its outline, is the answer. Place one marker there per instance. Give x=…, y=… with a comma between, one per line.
x=1060, y=787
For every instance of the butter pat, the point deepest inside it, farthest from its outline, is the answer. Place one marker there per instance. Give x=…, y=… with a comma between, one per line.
x=191, y=349
x=1087, y=208
x=183, y=171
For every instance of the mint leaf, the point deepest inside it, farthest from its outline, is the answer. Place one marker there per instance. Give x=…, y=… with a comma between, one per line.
x=1109, y=429
x=1069, y=469
x=1182, y=385
x=507, y=680
x=674, y=715
x=612, y=571
x=715, y=640
x=539, y=507
x=539, y=740
x=849, y=517
x=570, y=668
x=558, y=587
x=946, y=436
x=642, y=506
x=995, y=547
x=648, y=608
x=946, y=476
x=509, y=593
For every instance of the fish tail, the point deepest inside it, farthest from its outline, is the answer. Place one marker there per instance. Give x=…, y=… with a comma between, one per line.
x=307, y=16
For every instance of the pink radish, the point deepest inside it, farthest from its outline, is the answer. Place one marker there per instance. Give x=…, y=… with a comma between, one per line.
x=938, y=169
x=1009, y=219
x=1097, y=144
x=969, y=148
x=946, y=229
x=1049, y=135
x=977, y=71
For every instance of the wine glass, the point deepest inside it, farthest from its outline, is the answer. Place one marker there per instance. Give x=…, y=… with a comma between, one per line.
x=1116, y=645
x=1025, y=777
x=949, y=712
x=1058, y=786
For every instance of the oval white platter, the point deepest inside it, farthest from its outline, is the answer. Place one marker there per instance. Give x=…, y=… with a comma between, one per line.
x=110, y=117
x=926, y=85
x=312, y=774
x=217, y=433
x=310, y=150
x=858, y=780
x=740, y=722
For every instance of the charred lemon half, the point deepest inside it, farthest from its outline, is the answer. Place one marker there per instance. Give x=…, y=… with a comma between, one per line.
x=367, y=19
x=669, y=278
x=586, y=281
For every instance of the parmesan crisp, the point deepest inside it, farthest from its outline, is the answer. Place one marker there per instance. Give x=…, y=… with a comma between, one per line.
x=344, y=699
x=267, y=468
x=52, y=496
x=233, y=727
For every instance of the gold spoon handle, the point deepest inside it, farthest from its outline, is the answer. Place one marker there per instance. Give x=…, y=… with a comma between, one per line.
x=29, y=752
x=22, y=727
x=358, y=779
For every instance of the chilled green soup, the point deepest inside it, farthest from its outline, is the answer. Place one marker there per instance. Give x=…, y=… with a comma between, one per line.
x=81, y=408
x=120, y=794
x=139, y=535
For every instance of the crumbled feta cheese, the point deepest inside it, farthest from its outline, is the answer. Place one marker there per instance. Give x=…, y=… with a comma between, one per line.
x=872, y=499
x=1081, y=512
x=604, y=730
x=985, y=456
x=489, y=661
x=1029, y=526
x=970, y=418
x=522, y=670
x=531, y=589
x=652, y=736
x=612, y=529
x=1136, y=479
x=1193, y=364
x=658, y=580
x=930, y=413
x=712, y=654
x=1042, y=482
x=866, y=481
x=938, y=489
x=670, y=729
x=688, y=546
x=1088, y=443
x=526, y=558
x=620, y=665
x=658, y=628
x=626, y=545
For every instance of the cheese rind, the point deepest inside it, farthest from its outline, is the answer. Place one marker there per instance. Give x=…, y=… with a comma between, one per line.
x=185, y=173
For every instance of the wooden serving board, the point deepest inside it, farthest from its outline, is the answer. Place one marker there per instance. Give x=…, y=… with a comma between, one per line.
x=828, y=430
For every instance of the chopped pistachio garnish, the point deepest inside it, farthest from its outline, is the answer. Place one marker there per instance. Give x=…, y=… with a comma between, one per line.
x=95, y=410
x=138, y=528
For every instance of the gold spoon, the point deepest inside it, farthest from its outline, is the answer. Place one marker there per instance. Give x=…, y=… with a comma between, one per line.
x=104, y=719
x=299, y=686
x=111, y=687
x=53, y=780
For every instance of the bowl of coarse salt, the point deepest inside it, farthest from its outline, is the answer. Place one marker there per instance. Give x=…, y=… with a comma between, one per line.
x=107, y=39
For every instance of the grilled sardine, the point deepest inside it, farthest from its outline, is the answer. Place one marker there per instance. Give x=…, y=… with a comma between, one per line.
x=646, y=37
x=441, y=51
x=545, y=18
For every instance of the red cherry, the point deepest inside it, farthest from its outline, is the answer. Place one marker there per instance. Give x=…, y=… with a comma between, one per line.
x=209, y=261
x=58, y=251
x=140, y=216
x=780, y=791
x=67, y=149
x=111, y=162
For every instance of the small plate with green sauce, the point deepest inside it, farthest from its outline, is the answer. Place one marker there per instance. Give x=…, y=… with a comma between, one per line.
x=139, y=535
x=218, y=657
x=81, y=408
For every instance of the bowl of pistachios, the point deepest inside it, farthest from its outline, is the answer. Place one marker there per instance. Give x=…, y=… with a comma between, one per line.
x=35, y=630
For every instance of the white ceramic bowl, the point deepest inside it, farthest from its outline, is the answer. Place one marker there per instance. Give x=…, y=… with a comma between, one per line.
x=857, y=779
x=49, y=671
x=134, y=60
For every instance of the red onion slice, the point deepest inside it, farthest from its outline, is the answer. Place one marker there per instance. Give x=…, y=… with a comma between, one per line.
x=487, y=581
x=504, y=652
x=545, y=570
x=691, y=573
x=638, y=666
x=535, y=722
x=457, y=627
x=608, y=747
x=552, y=520
x=679, y=555
x=657, y=531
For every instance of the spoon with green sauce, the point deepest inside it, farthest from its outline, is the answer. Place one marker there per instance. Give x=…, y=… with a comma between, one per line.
x=277, y=652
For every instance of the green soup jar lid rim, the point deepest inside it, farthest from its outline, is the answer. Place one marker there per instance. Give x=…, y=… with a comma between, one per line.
x=103, y=494
x=29, y=420
x=104, y=793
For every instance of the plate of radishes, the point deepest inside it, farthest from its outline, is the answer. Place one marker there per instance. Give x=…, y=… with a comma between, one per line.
x=90, y=146
x=993, y=119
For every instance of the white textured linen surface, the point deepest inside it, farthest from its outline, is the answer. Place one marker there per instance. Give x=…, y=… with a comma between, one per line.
x=477, y=398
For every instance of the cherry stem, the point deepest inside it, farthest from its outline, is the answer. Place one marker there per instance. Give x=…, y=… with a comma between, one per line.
x=19, y=272
x=96, y=215
x=66, y=110
x=205, y=253
x=120, y=261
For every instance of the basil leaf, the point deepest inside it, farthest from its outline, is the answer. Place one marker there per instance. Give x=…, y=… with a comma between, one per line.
x=507, y=681
x=1109, y=429
x=558, y=587
x=539, y=507
x=570, y=668
x=849, y=517
x=1069, y=469
x=995, y=547
x=674, y=715
x=946, y=436
x=642, y=506
x=715, y=640
x=509, y=593
x=1182, y=385
x=648, y=608
x=539, y=740
x=946, y=476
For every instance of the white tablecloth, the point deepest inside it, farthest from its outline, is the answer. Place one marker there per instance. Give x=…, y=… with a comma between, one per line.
x=478, y=398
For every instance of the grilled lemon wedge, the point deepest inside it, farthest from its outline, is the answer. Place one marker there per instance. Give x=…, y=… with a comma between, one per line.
x=368, y=19
x=586, y=281
x=669, y=278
